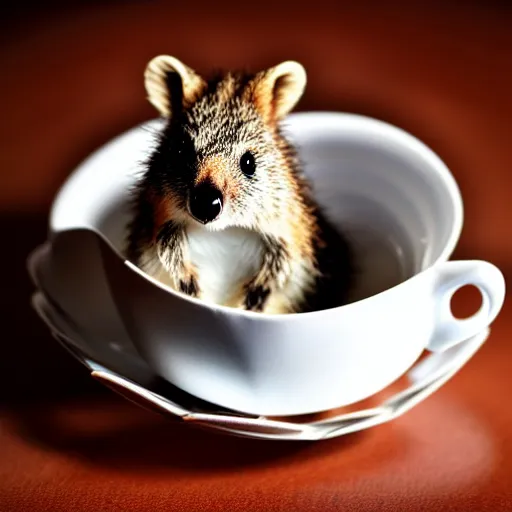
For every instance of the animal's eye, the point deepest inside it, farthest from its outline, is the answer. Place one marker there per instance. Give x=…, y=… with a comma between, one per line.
x=248, y=164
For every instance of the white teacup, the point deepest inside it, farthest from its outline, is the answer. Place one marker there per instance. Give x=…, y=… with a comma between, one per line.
x=402, y=210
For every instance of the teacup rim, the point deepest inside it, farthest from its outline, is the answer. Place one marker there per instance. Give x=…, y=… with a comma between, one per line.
x=388, y=130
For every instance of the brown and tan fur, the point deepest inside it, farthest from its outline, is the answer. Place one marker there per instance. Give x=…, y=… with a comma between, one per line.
x=304, y=263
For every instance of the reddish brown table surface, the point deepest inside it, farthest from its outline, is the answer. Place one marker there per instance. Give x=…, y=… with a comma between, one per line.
x=71, y=79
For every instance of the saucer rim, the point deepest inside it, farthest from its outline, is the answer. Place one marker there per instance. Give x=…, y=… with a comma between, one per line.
x=230, y=423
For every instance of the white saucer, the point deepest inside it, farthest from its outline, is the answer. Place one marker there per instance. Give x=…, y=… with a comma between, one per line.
x=123, y=371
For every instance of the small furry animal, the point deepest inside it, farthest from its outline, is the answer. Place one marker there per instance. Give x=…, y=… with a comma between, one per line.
x=223, y=211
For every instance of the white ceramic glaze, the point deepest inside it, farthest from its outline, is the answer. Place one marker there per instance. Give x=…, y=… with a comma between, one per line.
x=401, y=208
x=137, y=383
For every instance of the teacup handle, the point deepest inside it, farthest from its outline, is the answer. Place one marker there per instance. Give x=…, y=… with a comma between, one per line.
x=453, y=275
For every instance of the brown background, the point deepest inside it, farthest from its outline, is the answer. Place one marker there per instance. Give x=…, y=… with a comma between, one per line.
x=71, y=78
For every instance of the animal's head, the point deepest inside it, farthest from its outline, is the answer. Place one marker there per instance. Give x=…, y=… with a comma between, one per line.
x=221, y=160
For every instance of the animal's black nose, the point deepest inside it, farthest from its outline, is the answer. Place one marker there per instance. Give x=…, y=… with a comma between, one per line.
x=205, y=202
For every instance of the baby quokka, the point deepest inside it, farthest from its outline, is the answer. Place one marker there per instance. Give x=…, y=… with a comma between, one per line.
x=222, y=211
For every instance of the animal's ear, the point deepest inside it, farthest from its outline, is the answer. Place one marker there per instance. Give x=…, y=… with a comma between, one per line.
x=171, y=85
x=277, y=90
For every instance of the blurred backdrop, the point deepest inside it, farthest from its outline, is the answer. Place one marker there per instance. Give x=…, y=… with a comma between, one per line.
x=71, y=78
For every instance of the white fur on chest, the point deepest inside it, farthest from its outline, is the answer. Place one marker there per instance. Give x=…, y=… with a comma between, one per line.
x=224, y=260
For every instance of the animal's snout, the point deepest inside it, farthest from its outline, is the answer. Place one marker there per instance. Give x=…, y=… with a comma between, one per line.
x=205, y=202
